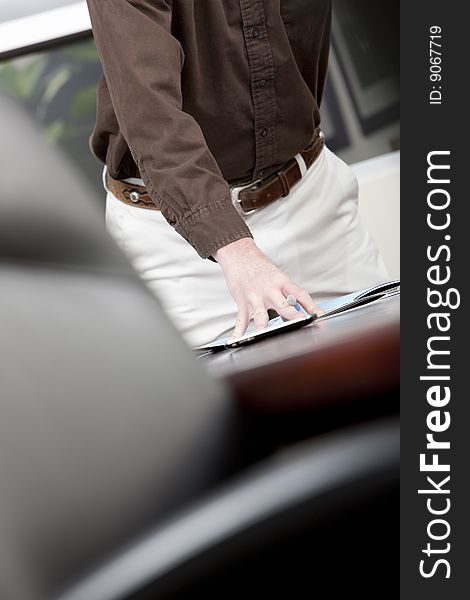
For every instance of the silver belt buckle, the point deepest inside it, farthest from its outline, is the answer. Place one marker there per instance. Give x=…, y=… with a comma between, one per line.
x=234, y=194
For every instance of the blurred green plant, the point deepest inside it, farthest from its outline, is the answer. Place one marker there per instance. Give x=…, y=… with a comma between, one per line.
x=84, y=102
x=55, y=88
x=20, y=77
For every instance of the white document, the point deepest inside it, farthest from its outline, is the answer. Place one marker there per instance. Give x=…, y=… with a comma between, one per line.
x=331, y=307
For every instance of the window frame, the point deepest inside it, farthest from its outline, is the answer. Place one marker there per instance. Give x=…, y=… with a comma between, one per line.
x=44, y=30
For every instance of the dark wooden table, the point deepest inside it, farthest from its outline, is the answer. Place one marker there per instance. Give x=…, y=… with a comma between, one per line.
x=349, y=361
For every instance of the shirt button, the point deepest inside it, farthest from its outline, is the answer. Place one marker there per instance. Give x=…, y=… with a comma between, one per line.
x=261, y=83
x=264, y=132
x=255, y=32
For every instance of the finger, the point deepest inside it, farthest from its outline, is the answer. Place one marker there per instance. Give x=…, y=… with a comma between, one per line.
x=261, y=318
x=241, y=323
x=305, y=300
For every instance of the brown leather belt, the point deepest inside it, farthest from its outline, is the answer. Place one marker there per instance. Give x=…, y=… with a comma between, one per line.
x=245, y=197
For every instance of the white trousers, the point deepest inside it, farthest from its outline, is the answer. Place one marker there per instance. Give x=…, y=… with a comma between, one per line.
x=314, y=234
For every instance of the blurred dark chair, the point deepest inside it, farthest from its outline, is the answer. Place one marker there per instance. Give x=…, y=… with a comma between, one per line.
x=318, y=519
x=114, y=442
x=106, y=420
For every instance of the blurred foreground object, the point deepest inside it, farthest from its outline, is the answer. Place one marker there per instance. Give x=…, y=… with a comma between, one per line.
x=102, y=403
x=125, y=471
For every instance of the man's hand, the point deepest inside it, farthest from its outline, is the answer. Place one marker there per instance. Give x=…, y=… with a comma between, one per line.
x=256, y=285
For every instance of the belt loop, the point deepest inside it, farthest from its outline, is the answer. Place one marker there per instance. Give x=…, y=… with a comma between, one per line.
x=284, y=183
x=302, y=165
x=103, y=176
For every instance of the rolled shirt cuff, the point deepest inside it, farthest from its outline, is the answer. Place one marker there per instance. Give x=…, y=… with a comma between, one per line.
x=213, y=226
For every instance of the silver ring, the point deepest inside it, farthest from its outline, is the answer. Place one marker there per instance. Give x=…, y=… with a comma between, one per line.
x=291, y=299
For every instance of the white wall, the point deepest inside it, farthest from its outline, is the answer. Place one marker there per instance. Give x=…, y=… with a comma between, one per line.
x=379, y=204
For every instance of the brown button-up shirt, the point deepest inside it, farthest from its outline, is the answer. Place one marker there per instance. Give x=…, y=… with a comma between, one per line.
x=199, y=94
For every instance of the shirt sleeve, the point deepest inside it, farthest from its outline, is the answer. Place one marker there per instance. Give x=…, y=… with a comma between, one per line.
x=142, y=63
